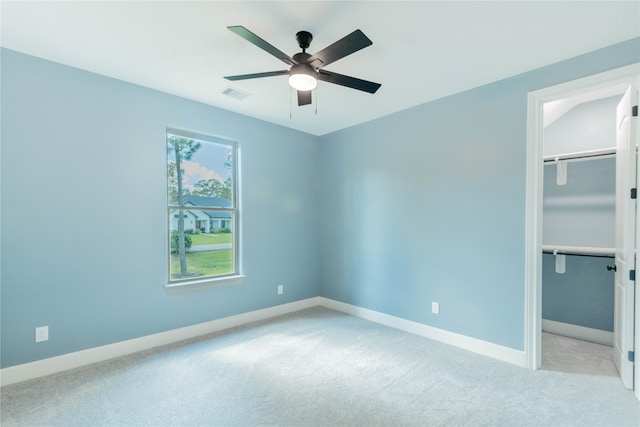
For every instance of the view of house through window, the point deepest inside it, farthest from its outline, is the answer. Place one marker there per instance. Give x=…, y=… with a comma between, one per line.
x=202, y=207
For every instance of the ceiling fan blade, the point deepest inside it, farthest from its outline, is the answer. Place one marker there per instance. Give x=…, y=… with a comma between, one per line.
x=262, y=44
x=352, y=82
x=304, y=97
x=343, y=47
x=258, y=75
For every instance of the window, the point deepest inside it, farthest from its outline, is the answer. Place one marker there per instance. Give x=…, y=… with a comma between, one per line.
x=202, y=208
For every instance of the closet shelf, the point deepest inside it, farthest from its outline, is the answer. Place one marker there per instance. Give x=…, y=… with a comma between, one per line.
x=593, y=201
x=579, y=250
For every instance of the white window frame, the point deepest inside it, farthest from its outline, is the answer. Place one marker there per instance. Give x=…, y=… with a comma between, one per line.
x=236, y=277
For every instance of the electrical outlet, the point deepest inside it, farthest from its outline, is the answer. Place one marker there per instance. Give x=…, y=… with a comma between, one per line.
x=280, y=289
x=42, y=333
x=435, y=307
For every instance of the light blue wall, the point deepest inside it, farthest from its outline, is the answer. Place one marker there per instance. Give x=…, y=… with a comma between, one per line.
x=429, y=205
x=423, y=205
x=582, y=296
x=582, y=212
x=84, y=211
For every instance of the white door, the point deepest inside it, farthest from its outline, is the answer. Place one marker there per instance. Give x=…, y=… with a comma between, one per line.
x=637, y=311
x=626, y=140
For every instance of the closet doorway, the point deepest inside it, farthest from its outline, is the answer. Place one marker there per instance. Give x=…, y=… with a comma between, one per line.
x=578, y=234
x=580, y=226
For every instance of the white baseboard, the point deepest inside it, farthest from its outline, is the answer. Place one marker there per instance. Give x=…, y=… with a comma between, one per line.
x=484, y=348
x=580, y=332
x=40, y=368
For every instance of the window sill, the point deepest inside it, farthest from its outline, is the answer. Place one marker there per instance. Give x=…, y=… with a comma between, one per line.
x=196, y=285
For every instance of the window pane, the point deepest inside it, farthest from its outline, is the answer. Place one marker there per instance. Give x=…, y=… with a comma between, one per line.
x=199, y=173
x=208, y=238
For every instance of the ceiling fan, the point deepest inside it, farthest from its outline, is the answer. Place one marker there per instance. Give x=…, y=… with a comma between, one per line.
x=306, y=69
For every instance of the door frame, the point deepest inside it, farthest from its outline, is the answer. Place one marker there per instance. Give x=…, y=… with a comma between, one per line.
x=606, y=83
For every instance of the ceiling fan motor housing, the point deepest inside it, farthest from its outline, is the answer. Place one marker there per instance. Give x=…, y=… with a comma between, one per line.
x=301, y=58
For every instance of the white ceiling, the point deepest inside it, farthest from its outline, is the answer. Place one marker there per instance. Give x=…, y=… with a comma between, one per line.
x=422, y=50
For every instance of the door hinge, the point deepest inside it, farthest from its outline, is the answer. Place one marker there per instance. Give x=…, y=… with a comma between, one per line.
x=631, y=356
x=632, y=275
x=634, y=193
x=634, y=111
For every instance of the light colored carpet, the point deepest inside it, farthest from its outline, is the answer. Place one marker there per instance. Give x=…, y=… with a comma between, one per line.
x=566, y=354
x=316, y=367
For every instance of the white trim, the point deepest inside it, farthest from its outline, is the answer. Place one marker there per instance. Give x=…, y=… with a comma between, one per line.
x=27, y=371
x=40, y=368
x=474, y=345
x=533, y=235
x=615, y=79
x=196, y=285
x=597, y=336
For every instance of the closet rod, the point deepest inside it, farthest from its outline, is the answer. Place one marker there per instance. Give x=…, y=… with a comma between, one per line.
x=581, y=155
x=579, y=254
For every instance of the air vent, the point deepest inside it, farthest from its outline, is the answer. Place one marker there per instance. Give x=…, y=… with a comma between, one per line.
x=235, y=93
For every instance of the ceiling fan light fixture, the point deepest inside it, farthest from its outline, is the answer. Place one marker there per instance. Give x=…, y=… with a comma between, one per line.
x=302, y=77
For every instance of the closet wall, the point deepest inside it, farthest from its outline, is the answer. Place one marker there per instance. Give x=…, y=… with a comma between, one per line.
x=580, y=213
